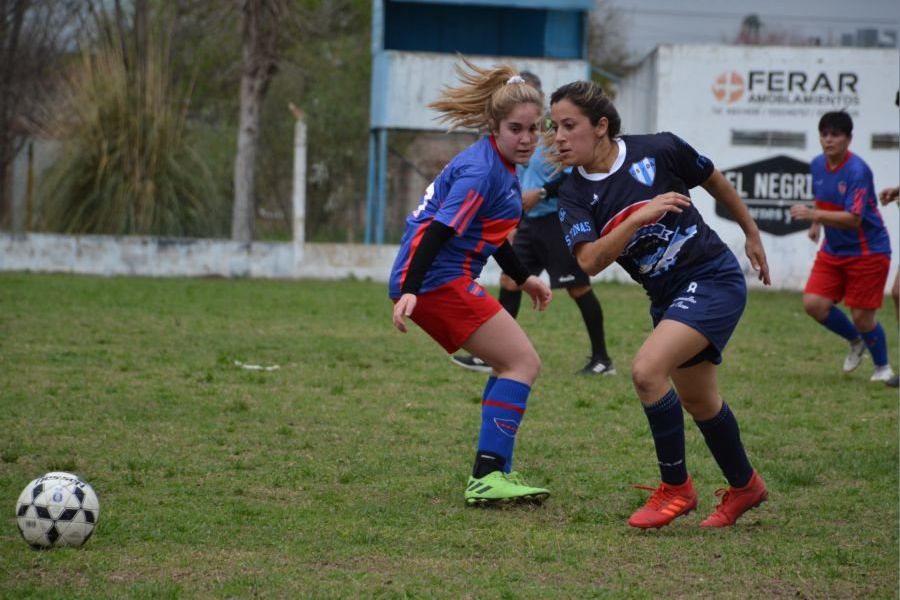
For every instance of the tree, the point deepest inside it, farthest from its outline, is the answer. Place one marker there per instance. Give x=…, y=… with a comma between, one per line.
x=259, y=34
x=33, y=35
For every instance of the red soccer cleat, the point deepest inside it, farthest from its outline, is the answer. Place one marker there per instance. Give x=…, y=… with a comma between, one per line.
x=666, y=503
x=737, y=501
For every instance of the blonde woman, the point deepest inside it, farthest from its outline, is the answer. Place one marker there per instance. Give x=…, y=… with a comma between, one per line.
x=464, y=217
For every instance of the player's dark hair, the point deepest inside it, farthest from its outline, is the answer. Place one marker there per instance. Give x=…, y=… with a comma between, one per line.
x=531, y=79
x=836, y=121
x=589, y=97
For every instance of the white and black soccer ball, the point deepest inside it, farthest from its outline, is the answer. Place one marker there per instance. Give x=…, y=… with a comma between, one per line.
x=57, y=509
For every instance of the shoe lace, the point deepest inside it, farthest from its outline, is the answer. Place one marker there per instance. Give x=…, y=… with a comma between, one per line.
x=724, y=494
x=660, y=496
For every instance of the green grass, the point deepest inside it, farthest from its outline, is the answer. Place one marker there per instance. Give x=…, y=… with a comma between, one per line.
x=342, y=473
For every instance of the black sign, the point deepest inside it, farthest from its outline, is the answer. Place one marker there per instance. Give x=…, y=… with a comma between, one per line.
x=769, y=188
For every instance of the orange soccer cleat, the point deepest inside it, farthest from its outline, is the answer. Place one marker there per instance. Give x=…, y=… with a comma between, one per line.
x=666, y=503
x=737, y=501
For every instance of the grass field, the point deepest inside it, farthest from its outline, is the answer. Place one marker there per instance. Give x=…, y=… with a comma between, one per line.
x=341, y=473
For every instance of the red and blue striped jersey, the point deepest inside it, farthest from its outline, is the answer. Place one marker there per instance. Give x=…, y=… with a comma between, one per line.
x=849, y=187
x=479, y=197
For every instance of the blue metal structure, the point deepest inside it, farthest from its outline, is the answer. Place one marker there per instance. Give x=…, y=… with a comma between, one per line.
x=407, y=34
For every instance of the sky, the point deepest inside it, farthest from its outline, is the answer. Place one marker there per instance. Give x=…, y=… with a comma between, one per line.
x=647, y=23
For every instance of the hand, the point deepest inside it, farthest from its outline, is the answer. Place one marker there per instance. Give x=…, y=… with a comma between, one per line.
x=813, y=232
x=888, y=195
x=539, y=292
x=664, y=203
x=757, y=255
x=801, y=212
x=404, y=308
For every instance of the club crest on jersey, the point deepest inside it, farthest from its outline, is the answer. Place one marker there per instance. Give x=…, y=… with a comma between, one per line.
x=507, y=426
x=644, y=170
x=842, y=187
x=562, y=215
x=476, y=290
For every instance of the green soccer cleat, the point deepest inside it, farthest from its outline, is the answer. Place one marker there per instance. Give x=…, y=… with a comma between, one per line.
x=499, y=487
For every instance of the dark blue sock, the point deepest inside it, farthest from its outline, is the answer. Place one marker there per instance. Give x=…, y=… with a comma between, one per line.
x=501, y=413
x=723, y=438
x=838, y=322
x=487, y=388
x=877, y=345
x=667, y=426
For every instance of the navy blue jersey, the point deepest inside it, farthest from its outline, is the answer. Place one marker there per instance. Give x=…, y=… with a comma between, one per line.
x=660, y=255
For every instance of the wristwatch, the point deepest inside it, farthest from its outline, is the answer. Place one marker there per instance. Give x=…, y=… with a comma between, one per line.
x=542, y=194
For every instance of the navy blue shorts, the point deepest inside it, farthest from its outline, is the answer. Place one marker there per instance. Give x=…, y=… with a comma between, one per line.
x=712, y=303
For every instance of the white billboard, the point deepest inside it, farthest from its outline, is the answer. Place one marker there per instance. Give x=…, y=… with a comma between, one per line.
x=754, y=111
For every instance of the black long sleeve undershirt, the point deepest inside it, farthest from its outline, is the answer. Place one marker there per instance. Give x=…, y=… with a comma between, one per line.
x=433, y=239
x=510, y=263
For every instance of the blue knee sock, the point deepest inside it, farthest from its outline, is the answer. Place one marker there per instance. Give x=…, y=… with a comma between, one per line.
x=502, y=410
x=877, y=345
x=667, y=426
x=487, y=388
x=723, y=438
x=838, y=322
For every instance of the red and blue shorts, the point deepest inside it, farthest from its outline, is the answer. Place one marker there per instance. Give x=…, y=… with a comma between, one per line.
x=452, y=312
x=857, y=280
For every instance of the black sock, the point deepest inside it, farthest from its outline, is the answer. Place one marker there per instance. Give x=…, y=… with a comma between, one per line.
x=667, y=426
x=487, y=462
x=723, y=437
x=593, y=321
x=510, y=300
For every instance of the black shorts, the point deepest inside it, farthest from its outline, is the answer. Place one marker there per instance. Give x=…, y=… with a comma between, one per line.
x=540, y=246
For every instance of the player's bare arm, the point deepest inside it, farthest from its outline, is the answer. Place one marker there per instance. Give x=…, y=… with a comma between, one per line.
x=839, y=219
x=725, y=194
x=595, y=256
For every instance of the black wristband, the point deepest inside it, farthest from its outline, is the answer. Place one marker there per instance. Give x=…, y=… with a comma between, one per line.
x=510, y=263
x=433, y=239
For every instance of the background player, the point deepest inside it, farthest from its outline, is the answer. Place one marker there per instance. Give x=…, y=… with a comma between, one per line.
x=627, y=201
x=539, y=244
x=853, y=262
x=464, y=217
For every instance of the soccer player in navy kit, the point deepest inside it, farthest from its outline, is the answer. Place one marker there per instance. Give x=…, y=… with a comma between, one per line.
x=853, y=263
x=626, y=201
x=463, y=218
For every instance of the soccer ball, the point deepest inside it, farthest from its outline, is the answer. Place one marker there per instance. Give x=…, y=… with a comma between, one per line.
x=57, y=509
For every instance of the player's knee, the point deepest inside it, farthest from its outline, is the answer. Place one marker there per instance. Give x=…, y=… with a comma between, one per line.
x=578, y=291
x=531, y=364
x=864, y=322
x=646, y=377
x=815, y=308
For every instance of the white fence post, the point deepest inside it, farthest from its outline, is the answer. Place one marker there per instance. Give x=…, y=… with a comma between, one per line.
x=298, y=194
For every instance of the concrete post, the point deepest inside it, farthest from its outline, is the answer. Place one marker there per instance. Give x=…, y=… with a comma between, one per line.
x=298, y=194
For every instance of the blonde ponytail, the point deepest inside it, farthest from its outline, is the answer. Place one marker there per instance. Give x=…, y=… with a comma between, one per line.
x=485, y=98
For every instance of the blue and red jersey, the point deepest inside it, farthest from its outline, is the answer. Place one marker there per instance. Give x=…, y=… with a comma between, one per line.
x=661, y=256
x=479, y=197
x=849, y=187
